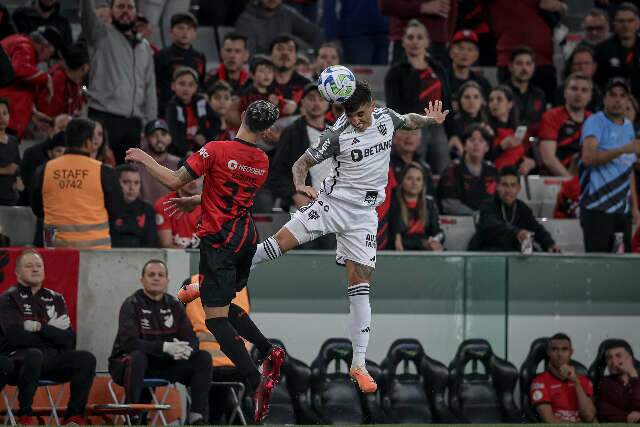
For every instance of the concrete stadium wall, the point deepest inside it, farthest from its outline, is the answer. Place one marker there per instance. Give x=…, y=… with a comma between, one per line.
x=439, y=299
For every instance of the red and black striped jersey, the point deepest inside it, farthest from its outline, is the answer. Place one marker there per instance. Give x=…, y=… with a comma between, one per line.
x=557, y=125
x=234, y=171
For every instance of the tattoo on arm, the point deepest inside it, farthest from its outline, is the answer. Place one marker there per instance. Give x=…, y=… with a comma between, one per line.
x=301, y=168
x=183, y=176
x=417, y=121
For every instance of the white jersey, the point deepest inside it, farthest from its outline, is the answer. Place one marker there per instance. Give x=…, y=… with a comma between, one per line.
x=360, y=159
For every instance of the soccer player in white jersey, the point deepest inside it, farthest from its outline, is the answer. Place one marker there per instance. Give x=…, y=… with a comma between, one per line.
x=359, y=144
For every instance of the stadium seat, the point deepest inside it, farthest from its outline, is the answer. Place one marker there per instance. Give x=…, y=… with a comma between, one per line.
x=18, y=223
x=529, y=369
x=50, y=388
x=482, y=397
x=290, y=399
x=458, y=231
x=150, y=384
x=335, y=398
x=413, y=396
x=599, y=365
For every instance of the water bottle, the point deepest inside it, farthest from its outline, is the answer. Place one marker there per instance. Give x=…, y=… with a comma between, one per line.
x=526, y=247
x=618, y=243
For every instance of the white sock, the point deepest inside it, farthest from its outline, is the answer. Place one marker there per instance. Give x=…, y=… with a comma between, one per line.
x=359, y=321
x=266, y=251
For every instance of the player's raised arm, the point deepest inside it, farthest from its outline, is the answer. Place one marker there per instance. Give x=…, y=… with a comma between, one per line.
x=433, y=115
x=170, y=179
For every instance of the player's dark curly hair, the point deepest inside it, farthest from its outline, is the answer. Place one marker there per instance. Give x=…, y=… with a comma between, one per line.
x=260, y=115
x=360, y=96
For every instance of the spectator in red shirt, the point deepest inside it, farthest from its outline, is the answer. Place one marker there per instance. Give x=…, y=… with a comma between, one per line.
x=41, y=13
x=522, y=22
x=157, y=141
x=466, y=184
x=561, y=127
x=438, y=16
x=233, y=55
x=181, y=53
x=619, y=392
x=67, y=77
x=191, y=122
x=568, y=198
x=287, y=82
x=509, y=147
x=595, y=27
x=559, y=394
x=102, y=152
x=414, y=82
x=178, y=230
x=530, y=99
x=25, y=52
x=413, y=221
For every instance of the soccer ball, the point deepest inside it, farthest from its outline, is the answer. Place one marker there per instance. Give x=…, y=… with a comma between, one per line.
x=336, y=83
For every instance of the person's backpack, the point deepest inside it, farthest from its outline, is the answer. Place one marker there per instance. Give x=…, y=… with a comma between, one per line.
x=6, y=69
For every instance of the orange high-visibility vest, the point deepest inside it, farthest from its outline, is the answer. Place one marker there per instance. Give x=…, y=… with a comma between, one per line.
x=73, y=202
x=195, y=313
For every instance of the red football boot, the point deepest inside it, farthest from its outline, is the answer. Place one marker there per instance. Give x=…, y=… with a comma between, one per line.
x=270, y=378
x=189, y=293
x=27, y=420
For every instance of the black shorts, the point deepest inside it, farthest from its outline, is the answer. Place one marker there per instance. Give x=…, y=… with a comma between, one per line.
x=223, y=272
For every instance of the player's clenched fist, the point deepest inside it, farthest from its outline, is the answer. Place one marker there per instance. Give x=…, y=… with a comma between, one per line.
x=310, y=192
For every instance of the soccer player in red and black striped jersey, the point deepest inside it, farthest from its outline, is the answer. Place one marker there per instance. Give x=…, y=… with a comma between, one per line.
x=234, y=171
x=561, y=127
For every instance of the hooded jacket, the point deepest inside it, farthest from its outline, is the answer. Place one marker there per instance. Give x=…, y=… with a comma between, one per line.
x=122, y=79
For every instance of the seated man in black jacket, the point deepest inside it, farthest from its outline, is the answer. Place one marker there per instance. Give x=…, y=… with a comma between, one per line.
x=37, y=337
x=155, y=339
x=505, y=222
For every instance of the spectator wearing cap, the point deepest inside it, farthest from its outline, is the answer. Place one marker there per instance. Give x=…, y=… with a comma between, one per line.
x=159, y=14
x=262, y=20
x=618, y=396
x=518, y=23
x=25, y=52
x=619, y=55
x=288, y=83
x=191, y=121
x=414, y=82
x=122, y=83
x=76, y=195
x=595, y=27
x=360, y=28
x=608, y=197
x=560, y=127
x=136, y=228
x=294, y=141
x=581, y=61
x=42, y=13
x=68, y=77
x=180, y=54
x=464, y=52
x=529, y=99
x=157, y=140
x=233, y=56
x=439, y=17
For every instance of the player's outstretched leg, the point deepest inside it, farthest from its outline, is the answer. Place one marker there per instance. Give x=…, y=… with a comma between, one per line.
x=360, y=323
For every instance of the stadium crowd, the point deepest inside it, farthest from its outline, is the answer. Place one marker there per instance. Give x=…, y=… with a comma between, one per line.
x=134, y=72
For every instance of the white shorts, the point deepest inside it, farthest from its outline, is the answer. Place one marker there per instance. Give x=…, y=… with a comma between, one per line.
x=355, y=227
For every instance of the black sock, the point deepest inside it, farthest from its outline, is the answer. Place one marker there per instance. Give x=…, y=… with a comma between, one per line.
x=244, y=325
x=233, y=347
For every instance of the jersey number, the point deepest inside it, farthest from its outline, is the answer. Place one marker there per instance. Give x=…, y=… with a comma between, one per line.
x=235, y=189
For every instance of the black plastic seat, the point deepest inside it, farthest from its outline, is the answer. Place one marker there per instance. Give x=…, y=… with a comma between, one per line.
x=413, y=396
x=599, y=365
x=482, y=397
x=335, y=398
